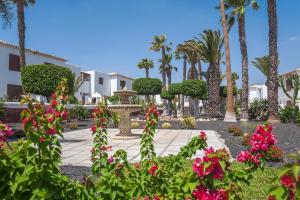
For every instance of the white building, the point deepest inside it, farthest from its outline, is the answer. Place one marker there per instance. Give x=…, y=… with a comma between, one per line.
x=10, y=84
x=94, y=85
x=257, y=91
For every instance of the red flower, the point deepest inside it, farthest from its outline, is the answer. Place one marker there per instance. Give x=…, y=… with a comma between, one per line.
x=57, y=114
x=156, y=197
x=271, y=198
x=64, y=115
x=202, y=135
x=53, y=103
x=53, y=96
x=105, y=148
x=51, y=131
x=262, y=139
x=50, y=119
x=94, y=129
x=42, y=139
x=288, y=181
x=246, y=156
x=152, y=170
x=203, y=193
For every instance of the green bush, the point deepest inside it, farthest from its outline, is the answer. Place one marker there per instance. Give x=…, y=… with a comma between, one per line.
x=81, y=112
x=43, y=79
x=188, y=123
x=194, y=88
x=1, y=109
x=114, y=99
x=175, y=89
x=115, y=118
x=259, y=109
x=72, y=99
x=166, y=95
x=223, y=91
x=166, y=125
x=147, y=86
x=287, y=114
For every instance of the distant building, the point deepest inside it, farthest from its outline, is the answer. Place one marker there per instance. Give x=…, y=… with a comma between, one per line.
x=257, y=91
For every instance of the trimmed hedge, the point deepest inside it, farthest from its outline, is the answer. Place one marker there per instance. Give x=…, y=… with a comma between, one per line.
x=147, y=86
x=166, y=95
x=194, y=88
x=43, y=79
x=223, y=91
x=175, y=88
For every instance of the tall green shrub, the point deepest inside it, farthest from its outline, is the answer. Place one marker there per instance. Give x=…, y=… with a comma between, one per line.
x=147, y=86
x=43, y=79
x=194, y=88
x=175, y=88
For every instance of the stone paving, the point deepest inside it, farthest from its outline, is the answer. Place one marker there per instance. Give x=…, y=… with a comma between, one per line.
x=77, y=144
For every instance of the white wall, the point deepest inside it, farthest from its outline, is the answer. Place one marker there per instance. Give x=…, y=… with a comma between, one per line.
x=115, y=80
x=257, y=92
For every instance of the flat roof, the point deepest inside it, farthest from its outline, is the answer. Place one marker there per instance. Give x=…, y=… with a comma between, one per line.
x=116, y=74
x=35, y=52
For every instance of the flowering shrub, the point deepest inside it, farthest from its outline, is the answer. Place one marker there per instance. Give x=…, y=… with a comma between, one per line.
x=5, y=132
x=31, y=171
x=274, y=153
x=289, y=180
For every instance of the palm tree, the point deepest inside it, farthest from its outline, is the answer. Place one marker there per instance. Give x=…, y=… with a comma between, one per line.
x=273, y=73
x=237, y=12
x=21, y=4
x=169, y=68
x=210, y=45
x=263, y=65
x=159, y=44
x=6, y=13
x=230, y=114
x=234, y=77
x=146, y=64
x=181, y=52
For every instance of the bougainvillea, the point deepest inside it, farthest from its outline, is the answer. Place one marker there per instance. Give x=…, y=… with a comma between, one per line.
x=5, y=132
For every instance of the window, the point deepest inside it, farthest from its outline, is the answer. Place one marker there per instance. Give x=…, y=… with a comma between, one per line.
x=14, y=91
x=14, y=63
x=288, y=85
x=100, y=80
x=122, y=84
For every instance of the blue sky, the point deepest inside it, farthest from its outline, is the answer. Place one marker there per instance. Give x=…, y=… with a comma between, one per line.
x=112, y=36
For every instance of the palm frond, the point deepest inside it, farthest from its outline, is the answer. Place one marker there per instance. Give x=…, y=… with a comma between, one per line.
x=6, y=13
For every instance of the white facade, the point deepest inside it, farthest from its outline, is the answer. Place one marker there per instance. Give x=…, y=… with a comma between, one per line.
x=258, y=92
x=11, y=77
x=118, y=81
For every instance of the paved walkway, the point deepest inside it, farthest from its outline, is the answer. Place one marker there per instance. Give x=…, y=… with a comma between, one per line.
x=77, y=144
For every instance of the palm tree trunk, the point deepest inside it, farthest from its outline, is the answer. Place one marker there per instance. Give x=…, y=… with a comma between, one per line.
x=245, y=77
x=21, y=32
x=199, y=70
x=213, y=77
x=147, y=72
x=183, y=79
x=169, y=100
x=272, y=80
x=163, y=67
x=230, y=114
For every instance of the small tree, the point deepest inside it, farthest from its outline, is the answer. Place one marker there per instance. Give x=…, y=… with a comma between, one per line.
x=294, y=82
x=43, y=79
x=197, y=89
x=176, y=89
x=147, y=86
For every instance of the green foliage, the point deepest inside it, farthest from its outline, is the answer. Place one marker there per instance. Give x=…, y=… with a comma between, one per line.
x=115, y=118
x=188, y=123
x=259, y=109
x=1, y=109
x=135, y=125
x=166, y=125
x=287, y=114
x=147, y=86
x=294, y=81
x=223, y=91
x=81, y=112
x=194, y=88
x=175, y=88
x=166, y=95
x=114, y=99
x=73, y=100
x=43, y=79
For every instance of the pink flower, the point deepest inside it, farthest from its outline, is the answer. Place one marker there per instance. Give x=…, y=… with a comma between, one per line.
x=53, y=96
x=271, y=198
x=156, y=197
x=57, y=114
x=288, y=181
x=53, y=103
x=202, y=135
x=105, y=148
x=51, y=131
x=42, y=139
x=246, y=156
x=50, y=119
x=203, y=193
x=262, y=139
x=152, y=170
x=111, y=159
x=64, y=115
